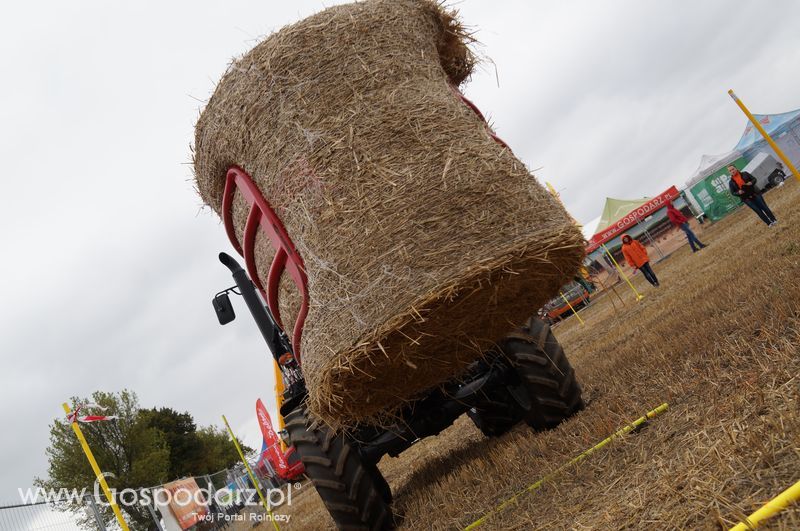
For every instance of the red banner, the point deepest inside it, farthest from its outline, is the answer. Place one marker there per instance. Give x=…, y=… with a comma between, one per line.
x=274, y=451
x=631, y=218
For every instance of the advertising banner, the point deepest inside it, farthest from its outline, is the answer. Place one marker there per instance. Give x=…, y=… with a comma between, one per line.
x=273, y=443
x=631, y=218
x=186, y=503
x=713, y=194
x=286, y=464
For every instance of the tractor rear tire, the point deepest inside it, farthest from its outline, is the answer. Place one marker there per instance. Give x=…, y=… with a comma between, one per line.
x=354, y=491
x=545, y=373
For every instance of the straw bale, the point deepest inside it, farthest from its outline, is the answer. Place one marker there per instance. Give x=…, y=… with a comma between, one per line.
x=424, y=240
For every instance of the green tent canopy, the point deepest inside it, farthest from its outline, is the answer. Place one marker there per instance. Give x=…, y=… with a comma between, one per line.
x=616, y=208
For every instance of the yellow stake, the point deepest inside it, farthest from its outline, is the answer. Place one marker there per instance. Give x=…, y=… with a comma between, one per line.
x=98, y=474
x=772, y=507
x=638, y=295
x=768, y=138
x=557, y=196
x=279, y=398
x=573, y=309
x=627, y=429
x=250, y=473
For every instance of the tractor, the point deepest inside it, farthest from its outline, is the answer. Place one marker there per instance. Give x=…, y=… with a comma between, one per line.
x=525, y=377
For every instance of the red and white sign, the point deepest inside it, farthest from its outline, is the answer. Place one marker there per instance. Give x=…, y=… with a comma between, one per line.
x=631, y=218
x=287, y=465
x=274, y=451
x=73, y=415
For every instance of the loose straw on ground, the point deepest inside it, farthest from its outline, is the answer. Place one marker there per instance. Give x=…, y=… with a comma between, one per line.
x=638, y=295
x=627, y=429
x=250, y=473
x=770, y=509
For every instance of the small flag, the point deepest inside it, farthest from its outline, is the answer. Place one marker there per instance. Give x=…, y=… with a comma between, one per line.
x=73, y=416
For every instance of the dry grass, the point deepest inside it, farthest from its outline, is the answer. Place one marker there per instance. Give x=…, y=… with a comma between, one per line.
x=422, y=237
x=718, y=341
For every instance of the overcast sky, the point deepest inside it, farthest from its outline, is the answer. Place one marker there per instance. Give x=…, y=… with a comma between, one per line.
x=109, y=261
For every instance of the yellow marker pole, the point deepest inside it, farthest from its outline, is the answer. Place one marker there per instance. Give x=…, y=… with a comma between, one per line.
x=279, y=388
x=250, y=473
x=573, y=309
x=622, y=431
x=638, y=295
x=558, y=198
x=768, y=138
x=97, y=472
x=772, y=507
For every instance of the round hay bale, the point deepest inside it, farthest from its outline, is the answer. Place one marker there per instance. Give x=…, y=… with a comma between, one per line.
x=424, y=240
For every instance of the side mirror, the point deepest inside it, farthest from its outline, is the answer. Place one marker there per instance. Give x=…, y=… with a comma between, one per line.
x=223, y=308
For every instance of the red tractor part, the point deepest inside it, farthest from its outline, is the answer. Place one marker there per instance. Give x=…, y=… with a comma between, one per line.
x=286, y=259
x=287, y=465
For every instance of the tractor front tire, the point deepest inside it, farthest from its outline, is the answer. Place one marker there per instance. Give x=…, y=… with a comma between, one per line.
x=545, y=373
x=495, y=416
x=354, y=491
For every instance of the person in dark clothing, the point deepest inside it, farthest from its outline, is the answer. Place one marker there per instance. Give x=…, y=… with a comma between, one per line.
x=743, y=185
x=679, y=220
x=636, y=256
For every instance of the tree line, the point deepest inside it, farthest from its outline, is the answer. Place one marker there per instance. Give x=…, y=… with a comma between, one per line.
x=143, y=448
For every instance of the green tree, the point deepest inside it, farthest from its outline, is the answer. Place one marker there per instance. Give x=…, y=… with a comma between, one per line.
x=180, y=432
x=144, y=448
x=192, y=452
x=134, y=454
x=218, y=450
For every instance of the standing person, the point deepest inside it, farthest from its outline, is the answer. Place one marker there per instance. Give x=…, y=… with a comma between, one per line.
x=636, y=256
x=743, y=186
x=679, y=220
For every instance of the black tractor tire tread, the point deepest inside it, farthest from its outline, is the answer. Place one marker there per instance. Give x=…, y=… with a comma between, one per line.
x=533, y=359
x=354, y=492
x=315, y=459
x=341, y=461
x=329, y=484
x=355, y=483
x=547, y=374
x=305, y=438
x=294, y=421
x=326, y=441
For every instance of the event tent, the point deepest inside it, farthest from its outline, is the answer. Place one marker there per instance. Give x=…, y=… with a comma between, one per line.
x=784, y=128
x=623, y=214
x=711, y=164
x=614, y=209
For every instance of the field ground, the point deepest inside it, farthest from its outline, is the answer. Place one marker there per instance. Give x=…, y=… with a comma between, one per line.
x=718, y=341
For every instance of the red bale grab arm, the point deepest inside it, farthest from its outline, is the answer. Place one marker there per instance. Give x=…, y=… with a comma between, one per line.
x=287, y=259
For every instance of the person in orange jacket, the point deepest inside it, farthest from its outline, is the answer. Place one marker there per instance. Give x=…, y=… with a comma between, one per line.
x=636, y=256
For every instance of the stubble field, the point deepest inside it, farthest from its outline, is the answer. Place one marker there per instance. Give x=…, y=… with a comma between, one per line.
x=718, y=341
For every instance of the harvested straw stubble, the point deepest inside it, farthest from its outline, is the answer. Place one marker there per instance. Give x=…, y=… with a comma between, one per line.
x=423, y=239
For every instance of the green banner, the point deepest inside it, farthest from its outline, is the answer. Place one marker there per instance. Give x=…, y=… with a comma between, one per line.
x=713, y=195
